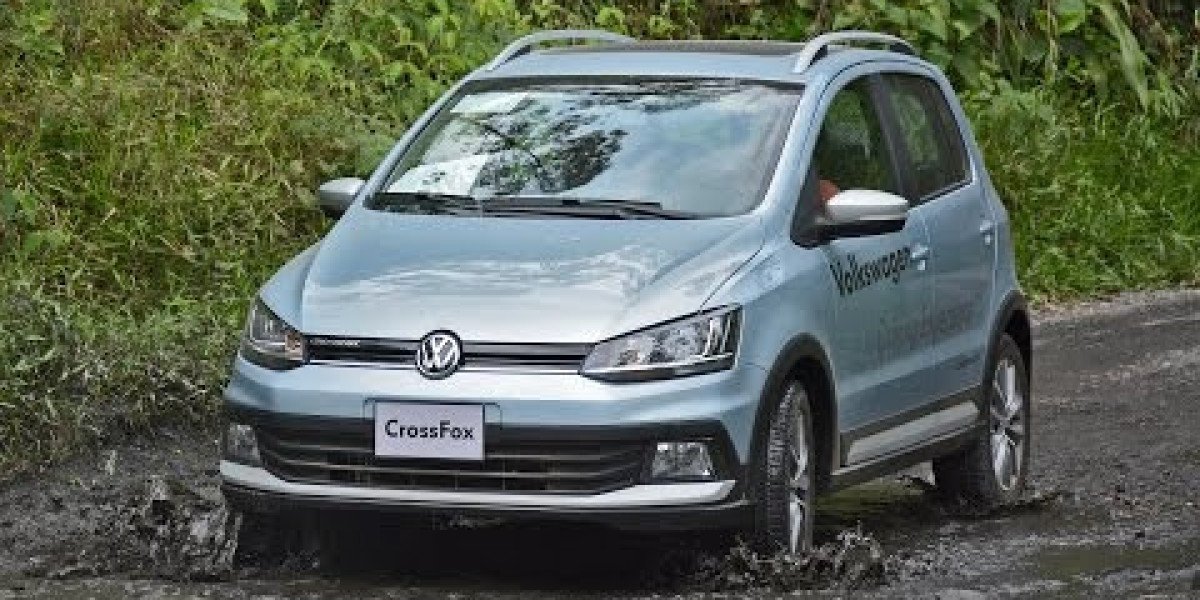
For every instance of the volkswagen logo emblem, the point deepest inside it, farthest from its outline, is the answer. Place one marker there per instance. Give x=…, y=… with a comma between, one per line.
x=439, y=354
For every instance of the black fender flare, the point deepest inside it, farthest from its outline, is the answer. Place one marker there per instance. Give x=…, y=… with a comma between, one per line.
x=1014, y=304
x=799, y=349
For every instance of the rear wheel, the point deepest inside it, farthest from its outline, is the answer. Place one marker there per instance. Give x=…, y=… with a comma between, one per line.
x=784, y=517
x=992, y=470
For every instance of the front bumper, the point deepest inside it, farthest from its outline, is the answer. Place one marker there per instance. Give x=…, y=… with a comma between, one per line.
x=647, y=506
x=519, y=408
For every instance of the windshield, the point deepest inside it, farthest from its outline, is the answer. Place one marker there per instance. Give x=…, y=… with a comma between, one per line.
x=694, y=148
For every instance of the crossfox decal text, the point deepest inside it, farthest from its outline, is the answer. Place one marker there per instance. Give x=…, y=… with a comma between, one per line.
x=394, y=428
x=854, y=276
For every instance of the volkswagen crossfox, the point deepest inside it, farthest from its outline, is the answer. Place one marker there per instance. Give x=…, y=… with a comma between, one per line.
x=670, y=285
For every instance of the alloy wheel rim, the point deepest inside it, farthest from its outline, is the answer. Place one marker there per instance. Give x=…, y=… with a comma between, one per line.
x=1007, y=425
x=798, y=486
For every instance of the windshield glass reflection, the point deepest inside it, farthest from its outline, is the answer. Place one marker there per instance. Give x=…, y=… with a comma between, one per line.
x=702, y=148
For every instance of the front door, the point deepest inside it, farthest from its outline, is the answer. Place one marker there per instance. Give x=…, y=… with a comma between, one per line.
x=882, y=286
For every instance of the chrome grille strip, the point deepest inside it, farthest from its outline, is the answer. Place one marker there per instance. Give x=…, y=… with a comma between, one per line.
x=477, y=356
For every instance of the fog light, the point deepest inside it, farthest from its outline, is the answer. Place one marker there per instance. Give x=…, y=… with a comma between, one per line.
x=241, y=445
x=682, y=461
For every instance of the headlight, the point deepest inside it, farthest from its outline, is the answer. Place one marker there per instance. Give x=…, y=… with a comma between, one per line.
x=269, y=342
x=699, y=344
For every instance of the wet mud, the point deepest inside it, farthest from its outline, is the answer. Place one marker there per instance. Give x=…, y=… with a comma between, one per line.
x=168, y=531
x=1113, y=511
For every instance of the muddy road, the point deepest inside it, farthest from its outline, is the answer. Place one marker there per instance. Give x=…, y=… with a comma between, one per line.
x=1115, y=511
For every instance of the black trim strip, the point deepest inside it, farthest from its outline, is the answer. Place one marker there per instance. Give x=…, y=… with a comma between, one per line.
x=500, y=348
x=946, y=191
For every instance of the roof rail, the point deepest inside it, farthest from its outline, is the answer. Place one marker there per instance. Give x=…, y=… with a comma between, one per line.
x=533, y=40
x=818, y=47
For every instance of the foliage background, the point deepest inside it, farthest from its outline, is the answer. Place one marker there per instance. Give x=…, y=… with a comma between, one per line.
x=157, y=158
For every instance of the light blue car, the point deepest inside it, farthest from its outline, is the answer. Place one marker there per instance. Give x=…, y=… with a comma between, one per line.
x=652, y=284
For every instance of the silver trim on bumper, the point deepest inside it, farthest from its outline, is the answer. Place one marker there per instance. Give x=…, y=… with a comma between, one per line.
x=638, y=496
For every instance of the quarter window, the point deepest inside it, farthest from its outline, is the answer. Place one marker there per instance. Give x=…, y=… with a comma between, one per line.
x=929, y=134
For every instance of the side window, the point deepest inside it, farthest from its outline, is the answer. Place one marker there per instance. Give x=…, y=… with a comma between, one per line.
x=929, y=133
x=850, y=152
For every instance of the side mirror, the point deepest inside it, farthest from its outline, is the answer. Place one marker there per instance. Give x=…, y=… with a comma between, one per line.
x=334, y=197
x=857, y=213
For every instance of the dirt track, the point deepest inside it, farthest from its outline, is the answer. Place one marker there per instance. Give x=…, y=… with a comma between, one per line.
x=1116, y=461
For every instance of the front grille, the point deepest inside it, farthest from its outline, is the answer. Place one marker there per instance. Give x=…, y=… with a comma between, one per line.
x=560, y=356
x=347, y=458
x=329, y=349
x=361, y=350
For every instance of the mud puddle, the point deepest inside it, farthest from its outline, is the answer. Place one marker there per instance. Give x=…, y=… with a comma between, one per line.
x=1114, y=429
x=1111, y=567
x=890, y=538
x=173, y=533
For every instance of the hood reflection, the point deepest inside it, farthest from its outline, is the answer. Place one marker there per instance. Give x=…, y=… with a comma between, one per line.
x=617, y=274
x=515, y=280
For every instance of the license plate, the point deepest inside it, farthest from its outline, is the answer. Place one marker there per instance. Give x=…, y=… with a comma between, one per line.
x=420, y=430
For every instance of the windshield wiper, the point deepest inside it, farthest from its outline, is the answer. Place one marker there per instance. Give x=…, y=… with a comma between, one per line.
x=566, y=206
x=583, y=207
x=428, y=202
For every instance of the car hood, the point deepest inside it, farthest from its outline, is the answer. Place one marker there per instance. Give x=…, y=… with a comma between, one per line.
x=562, y=280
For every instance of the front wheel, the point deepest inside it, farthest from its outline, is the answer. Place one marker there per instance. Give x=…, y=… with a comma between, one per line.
x=784, y=516
x=992, y=471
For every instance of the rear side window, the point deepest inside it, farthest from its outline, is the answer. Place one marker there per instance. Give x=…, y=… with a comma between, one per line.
x=929, y=134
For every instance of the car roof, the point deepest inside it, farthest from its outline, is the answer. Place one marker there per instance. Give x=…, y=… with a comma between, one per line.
x=720, y=59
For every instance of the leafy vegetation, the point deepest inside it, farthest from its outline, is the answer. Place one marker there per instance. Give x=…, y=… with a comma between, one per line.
x=157, y=158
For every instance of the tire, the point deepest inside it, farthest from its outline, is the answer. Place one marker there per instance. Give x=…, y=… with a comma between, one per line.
x=784, y=512
x=992, y=471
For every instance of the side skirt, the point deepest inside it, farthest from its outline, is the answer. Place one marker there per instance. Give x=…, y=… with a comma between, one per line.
x=903, y=459
x=909, y=438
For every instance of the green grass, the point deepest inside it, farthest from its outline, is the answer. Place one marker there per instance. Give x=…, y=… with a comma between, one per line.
x=1103, y=199
x=157, y=165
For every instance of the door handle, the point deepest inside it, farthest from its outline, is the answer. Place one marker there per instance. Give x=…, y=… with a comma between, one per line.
x=986, y=229
x=920, y=254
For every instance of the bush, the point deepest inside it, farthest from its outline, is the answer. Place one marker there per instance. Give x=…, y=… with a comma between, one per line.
x=159, y=157
x=157, y=166
x=1103, y=199
x=72, y=376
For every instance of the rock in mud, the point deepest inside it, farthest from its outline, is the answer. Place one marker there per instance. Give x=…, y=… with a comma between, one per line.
x=170, y=531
